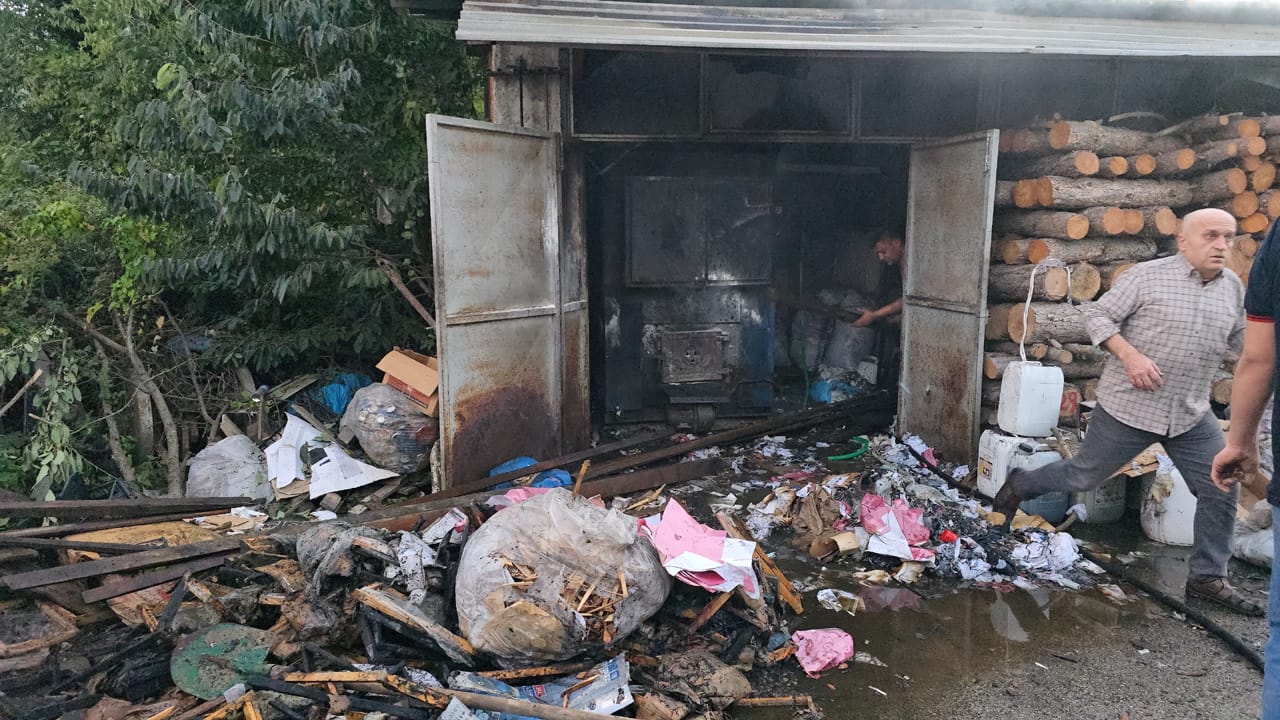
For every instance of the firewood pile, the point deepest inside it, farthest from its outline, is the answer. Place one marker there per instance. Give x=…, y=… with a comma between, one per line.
x=1089, y=201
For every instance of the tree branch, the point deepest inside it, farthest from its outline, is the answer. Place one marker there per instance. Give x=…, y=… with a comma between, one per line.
x=123, y=463
x=191, y=364
x=95, y=334
x=172, y=451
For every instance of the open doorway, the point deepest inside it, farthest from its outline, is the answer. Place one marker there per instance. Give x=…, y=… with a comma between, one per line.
x=723, y=276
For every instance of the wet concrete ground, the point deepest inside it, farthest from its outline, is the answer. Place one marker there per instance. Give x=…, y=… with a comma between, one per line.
x=954, y=652
x=982, y=653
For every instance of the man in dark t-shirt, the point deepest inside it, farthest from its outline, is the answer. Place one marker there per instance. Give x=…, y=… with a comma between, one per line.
x=887, y=318
x=1254, y=382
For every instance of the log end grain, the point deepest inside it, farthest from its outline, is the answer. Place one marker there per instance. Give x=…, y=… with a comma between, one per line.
x=1246, y=244
x=1249, y=128
x=1056, y=284
x=1026, y=194
x=1109, y=221
x=1237, y=180
x=1134, y=221
x=1222, y=390
x=1044, y=191
x=1166, y=221
x=1253, y=146
x=1037, y=250
x=1059, y=135
x=1110, y=273
x=1116, y=165
x=1263, y=178
x=1017, y=330
x=1077, y=226
x=1142, y=165
x=1242, y=205
x=1255, y=223
x=998, y=322
x=1086, y=282
x=1088, y=163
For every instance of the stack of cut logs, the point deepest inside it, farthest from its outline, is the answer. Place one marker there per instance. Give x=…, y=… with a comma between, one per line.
x=1097, y=199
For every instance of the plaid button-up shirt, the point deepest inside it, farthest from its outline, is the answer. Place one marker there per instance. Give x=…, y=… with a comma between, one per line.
x=1185, y=325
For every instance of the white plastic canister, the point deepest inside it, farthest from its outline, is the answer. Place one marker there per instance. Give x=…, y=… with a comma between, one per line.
x=1030, y=397
x=998, y=454
x=1105, y=503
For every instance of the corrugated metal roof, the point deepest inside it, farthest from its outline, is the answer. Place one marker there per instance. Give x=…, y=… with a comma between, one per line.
x=602, y=23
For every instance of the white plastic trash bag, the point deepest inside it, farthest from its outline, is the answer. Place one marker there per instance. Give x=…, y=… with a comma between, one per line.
x=556, y=577
x=1253, y=541
x=231, y=467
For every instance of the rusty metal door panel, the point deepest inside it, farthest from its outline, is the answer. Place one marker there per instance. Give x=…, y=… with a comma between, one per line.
x=949, y=207
x=495, y=223
x=576, y=412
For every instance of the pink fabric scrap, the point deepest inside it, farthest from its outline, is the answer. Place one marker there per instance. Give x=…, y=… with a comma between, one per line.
x=819, y=650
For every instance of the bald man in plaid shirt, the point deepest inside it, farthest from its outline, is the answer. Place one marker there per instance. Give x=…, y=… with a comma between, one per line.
x=1167, y=323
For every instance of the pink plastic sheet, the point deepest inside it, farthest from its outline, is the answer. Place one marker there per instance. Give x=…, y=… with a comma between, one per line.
x=819, y=650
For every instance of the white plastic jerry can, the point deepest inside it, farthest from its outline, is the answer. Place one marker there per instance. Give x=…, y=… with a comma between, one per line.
x=998, y=454
x=1105, y=503
x=1030, y=396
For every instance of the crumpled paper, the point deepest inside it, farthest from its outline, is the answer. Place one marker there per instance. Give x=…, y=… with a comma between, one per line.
x=1053, y=553
x=896, y=529
x=819, y=650
x=700, y=556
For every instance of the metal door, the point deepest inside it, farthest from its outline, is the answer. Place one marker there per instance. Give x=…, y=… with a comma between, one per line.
x=509, y=297
x=950, y=200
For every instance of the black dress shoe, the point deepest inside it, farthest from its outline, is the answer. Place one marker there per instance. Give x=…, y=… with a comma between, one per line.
x=1006, y=501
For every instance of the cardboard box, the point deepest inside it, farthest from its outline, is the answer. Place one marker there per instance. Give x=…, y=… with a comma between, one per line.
x=415, y=375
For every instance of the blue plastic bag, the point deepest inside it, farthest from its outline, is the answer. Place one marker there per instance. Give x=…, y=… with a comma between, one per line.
x=510, y=466
x=552, y=479
x=337, y=394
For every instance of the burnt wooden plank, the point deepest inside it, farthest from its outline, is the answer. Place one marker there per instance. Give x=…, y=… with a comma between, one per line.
x=150, y=579
x=82, y=545
x=119, y=563
x=94, y=525
x=131, y=507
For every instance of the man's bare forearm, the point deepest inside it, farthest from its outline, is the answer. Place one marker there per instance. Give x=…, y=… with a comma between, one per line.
x=890, y=310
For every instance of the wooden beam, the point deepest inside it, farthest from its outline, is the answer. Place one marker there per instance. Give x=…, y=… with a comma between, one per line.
x=94, y=525
x=151, y=579
x=120, y=563
x=709, y=611
x=358, y=704
x=82, y=545
x=397, y=607
x=337, y=676
x=537, y=672
x=511, y=706
x=406, y=516
x=782, y=423
x=786, y=591
x=465, y=488
x=125, y=508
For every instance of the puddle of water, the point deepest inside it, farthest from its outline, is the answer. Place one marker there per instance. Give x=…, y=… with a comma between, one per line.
x=949, y=638
x=938, y=635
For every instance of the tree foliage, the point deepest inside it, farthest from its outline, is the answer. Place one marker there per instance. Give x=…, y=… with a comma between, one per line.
x=238, y=166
